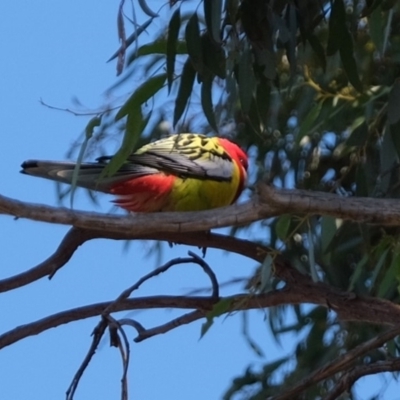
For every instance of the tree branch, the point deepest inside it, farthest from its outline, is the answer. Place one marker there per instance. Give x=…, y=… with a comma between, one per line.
x=341, y=363
x=270, y=202
x=303, y=290
x=72, y=240
x=348, y=379
x=76, y=237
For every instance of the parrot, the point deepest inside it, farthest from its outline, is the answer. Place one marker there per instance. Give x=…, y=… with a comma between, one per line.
x=182, y=172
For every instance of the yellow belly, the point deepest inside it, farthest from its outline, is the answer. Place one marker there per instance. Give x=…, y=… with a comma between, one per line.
x=195, y=195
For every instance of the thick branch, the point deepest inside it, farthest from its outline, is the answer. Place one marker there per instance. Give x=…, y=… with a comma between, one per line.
x=76, y=237
x=270, y=202
x=366, y=309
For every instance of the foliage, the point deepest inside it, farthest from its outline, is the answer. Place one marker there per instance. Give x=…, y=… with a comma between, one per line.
x=309, y=88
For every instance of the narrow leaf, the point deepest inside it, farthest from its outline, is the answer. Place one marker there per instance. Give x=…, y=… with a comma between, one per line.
x=247, y=80
x=219, y=308
x=359, y=134
x=317, y=47
x=193, y=43
x=357, y=272
x=282, y=226
x=146, y=9
x=393, y=110
x=371, y=7
x=245, y=330
x=309, y=120
x=389, y=279
x=213, y=57
x=159, y=46
x=337, y=22
x=266, y=274
x=206, y=102
x=376, y=28
x=173, y=32
x=138, y=31
x=93, y=123
x=378, y=268
x=142, y=94
x=134, y=127
x=328, y=231
x=185, y=90
x=349, y=62
x=311, y=257
x=212, y=14
x=394, y=131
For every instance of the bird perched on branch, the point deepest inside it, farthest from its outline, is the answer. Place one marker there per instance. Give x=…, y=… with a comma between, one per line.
x=185, y=172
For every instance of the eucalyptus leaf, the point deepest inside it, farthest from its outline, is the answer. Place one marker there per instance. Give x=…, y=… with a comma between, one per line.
x=173, y=32
x=185, y=90
x=142, y=94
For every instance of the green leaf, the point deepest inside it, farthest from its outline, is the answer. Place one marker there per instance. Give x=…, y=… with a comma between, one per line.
x=389, y=153
x=359, y=134
x=193, y=43
x=142, y=94
x=135, y=124
x=388, y=281
x=328, y=231
x=371, y=7
x=253, y=345
x=221, y=307
x=173, y=32
x=394, y=131
x=393, y=110
x=206, y=102
x=282, y=226
x=231, y=10
x=213, y=56
x=311, y=257
x=341, y=39
x=247, y=81
x=357, y=272
x=378, y=267
x=349, y=62
x=159, y=46
x=93, y=123
x=266, y=274
x=263, y=97
x=185, y=90
x=317, y=47
x=131, y=39
x=337, y=23
x=212, y=14
x=309, y=120
x=376, y=25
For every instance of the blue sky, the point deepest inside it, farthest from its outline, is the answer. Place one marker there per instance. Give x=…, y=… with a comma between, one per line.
x=56, y=51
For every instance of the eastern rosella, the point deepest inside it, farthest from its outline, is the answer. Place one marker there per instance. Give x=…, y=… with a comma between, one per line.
x=185, y=172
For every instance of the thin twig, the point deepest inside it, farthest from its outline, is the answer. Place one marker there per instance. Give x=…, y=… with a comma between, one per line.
x=98, y=333
x=176, y=261
x=208, y=271
x=125, y=353
x=79, y=113
x=182, y=320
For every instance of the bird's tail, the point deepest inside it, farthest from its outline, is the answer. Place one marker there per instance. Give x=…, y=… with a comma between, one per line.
x=88, y=175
